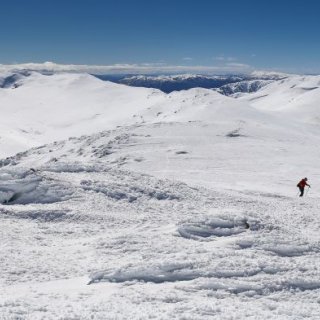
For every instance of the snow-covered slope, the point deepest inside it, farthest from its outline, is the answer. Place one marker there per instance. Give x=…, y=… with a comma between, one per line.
x=185, y=209
x=44, y=108
x=126, y=211
x=38, y=109
x=296, y=97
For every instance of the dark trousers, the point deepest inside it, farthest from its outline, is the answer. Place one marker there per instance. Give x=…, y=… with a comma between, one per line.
x=301, y=191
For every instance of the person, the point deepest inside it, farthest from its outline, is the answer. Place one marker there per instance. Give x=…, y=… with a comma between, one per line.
x=301, y=185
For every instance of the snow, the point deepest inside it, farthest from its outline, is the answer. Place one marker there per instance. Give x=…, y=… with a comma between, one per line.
x=45, y=108
x=294, y=97
x=178, y=206
x=263, y=74
x=172, y=78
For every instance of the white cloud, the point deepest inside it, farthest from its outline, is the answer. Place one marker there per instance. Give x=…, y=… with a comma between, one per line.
x=187, y=59
x=237, y=65
x=224, y=58
x=144, y=68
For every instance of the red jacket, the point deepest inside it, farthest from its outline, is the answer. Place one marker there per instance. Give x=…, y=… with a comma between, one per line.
x=303, y=183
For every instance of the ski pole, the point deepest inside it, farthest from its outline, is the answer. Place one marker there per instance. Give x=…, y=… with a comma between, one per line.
x=307, y=191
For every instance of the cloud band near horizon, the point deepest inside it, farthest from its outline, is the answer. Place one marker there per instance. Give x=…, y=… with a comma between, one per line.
x=145, y=68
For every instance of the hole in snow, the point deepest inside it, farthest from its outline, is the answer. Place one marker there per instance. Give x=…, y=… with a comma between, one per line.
x=234, y=134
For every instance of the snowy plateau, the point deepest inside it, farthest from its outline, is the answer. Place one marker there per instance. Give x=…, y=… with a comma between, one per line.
x=120, y=202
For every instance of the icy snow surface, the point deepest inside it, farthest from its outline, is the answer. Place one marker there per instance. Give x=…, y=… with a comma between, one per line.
x=178, y=206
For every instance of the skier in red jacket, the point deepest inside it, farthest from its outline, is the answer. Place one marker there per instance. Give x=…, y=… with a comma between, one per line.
x=301, y=185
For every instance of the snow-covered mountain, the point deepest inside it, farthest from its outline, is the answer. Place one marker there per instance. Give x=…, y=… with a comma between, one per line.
x=295, y=97
x=37, y=109
x=179, y=82
x=179, y=205
x=227, y=84
x=245, y=86
x=12, y=79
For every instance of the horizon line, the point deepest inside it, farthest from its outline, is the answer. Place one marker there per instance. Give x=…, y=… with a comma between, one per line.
x=143, y=68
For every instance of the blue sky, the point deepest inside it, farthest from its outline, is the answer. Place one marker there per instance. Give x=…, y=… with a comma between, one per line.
x=247, y=34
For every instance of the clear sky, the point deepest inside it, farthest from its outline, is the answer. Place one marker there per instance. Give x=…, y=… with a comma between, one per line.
x=269, y=34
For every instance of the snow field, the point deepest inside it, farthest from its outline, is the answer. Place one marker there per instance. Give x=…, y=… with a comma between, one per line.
x=186, y=210
x=136, y=250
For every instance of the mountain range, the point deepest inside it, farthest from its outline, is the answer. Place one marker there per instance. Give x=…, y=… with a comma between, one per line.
x=168, y=83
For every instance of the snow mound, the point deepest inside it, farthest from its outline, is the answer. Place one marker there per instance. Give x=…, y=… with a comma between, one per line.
x=48, y=216
x=24, y=187
x=216, y=227
x=251, y=290
x=289, y=249
x=202, y=105
x=156, y=274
